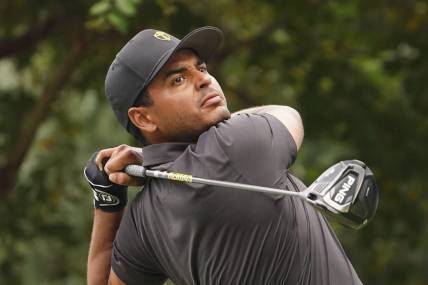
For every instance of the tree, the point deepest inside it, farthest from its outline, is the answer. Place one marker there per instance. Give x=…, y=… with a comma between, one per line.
x=355, y=70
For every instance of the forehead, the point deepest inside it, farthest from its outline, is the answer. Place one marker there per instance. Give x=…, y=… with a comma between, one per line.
x=179, y=57
x=177, y=61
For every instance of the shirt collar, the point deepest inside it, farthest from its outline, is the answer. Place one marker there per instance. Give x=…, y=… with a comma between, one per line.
x=156, y=154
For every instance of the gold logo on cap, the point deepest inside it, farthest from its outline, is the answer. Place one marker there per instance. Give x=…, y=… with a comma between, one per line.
x=162, y=36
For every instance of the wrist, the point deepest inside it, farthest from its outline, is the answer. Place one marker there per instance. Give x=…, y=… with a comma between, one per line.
x=110, y=200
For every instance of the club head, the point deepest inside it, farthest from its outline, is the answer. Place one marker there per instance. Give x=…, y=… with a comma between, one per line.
x=347, y=192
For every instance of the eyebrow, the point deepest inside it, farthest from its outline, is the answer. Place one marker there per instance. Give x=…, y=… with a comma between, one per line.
x=173, y=71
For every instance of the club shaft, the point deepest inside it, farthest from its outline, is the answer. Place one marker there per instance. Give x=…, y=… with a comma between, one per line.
x=136, y=170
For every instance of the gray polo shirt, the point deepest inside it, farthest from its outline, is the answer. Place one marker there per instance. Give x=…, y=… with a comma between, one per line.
x=197, y=234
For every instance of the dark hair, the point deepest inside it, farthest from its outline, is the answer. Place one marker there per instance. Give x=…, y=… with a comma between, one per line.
x=143, y=99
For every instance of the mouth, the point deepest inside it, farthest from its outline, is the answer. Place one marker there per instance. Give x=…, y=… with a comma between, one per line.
x=211, y=99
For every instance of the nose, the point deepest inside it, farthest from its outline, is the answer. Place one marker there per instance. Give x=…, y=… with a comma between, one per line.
x=203, y=80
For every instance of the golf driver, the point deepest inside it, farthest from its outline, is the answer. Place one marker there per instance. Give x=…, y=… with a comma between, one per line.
x=346, y=191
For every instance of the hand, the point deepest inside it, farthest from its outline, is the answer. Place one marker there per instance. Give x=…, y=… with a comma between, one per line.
x=114, y=160
x=108, y=196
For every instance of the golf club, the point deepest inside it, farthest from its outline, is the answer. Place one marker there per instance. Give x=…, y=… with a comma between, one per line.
x=346, y=191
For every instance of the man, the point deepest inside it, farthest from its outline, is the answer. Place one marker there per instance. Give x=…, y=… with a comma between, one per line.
x=162, y=93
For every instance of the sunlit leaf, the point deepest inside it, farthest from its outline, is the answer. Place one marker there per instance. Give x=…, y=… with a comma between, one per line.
x=100, y=7
x=126, y=7
x=118, y=21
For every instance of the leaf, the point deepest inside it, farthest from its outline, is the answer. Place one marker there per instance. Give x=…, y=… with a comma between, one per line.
x=100, y=8
x=97, y=24
x=118, y=21
x=126, y=7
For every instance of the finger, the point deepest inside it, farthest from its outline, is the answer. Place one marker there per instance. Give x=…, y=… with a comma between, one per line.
x=124, y=179
x=103, y=156
x=122, y=157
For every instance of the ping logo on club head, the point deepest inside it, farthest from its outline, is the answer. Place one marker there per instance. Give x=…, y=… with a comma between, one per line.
x=162, y=36
x=344, y=189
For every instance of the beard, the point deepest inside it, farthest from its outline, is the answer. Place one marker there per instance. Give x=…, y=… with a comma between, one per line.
x=185, y=128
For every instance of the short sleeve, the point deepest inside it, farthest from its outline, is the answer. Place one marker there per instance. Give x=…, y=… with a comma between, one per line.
x=131, y=261
x=259, y=147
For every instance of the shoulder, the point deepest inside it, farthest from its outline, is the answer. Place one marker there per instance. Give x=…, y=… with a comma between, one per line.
x=248, y=131
x=257, y=146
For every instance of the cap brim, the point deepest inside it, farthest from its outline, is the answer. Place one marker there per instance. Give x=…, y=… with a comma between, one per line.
x=204, y=41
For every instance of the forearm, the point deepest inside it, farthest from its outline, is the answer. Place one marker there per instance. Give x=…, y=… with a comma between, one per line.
x=288, y=116
x=260, y=109
x=103, y=232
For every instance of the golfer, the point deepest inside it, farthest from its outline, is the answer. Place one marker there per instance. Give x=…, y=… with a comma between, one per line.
x=161, y=92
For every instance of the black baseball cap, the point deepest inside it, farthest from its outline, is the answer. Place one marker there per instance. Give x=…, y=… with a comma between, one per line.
x=141, y=59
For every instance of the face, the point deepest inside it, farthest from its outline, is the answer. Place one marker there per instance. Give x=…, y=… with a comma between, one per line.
x=187, y=100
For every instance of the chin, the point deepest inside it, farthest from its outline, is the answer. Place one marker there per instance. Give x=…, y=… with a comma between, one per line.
x=221, y=114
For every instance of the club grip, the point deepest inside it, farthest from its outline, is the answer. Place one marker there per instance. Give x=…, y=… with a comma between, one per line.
x=135, y=170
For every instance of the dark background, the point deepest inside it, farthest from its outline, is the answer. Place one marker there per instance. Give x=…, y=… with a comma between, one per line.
x=357, y=71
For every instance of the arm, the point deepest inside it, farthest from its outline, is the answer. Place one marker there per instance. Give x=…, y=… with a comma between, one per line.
x=106, y=219
x=288, y=116
x=99, y=259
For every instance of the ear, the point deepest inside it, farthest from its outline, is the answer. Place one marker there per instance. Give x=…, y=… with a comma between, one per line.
x=141, y=118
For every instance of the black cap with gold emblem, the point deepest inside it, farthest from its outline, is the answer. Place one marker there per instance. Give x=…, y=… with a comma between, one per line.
x=140, y=60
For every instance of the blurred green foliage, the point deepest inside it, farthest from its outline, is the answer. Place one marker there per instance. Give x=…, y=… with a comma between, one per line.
x=355, y=70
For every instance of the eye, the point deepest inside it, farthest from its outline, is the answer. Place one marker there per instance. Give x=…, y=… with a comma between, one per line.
x=178, y=80
x=203, y=68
